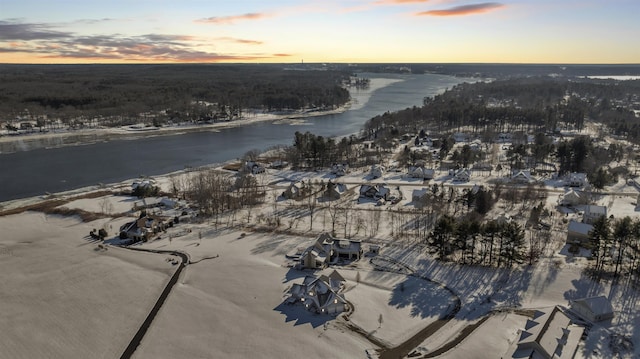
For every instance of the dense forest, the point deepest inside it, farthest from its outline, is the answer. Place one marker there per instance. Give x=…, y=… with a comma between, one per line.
x=530, y=105
x=119, y=94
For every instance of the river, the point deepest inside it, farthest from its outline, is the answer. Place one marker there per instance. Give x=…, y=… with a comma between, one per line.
x=36, y=172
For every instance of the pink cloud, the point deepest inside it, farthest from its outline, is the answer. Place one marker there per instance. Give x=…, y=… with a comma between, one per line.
x=463, y=10
x=227, y=20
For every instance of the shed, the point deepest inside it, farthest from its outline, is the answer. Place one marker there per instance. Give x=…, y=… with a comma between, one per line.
x=594, y=309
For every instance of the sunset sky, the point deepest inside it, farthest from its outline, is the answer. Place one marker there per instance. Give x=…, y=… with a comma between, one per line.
x=348, y=31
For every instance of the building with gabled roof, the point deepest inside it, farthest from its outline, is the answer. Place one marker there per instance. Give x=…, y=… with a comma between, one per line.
x=592, y=213
x=573, y=198
x=374, y=191
x=593, y=309
x=461, y=175
x=576, y=179
x=522, y=176
x=548, y=335
x=327, y=249
x=421, y=172
x=578, y=232
x=320, y=294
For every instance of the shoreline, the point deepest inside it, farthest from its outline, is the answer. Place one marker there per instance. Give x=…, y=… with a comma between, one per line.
x=48, y=140
x=359, y=98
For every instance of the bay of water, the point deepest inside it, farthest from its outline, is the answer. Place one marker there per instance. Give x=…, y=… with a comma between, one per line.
x=36, y=172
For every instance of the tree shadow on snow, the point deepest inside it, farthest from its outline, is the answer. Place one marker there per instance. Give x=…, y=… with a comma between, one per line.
x=584, y=287
x=426, y=299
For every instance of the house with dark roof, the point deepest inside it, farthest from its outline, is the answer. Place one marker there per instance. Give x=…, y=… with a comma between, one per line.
x=321, y=294
x=374, y=191
x=145, y=227
x=326, y=250
x=421, y=172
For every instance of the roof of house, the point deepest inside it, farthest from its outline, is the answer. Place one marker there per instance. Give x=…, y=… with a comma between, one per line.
x=572, y=195
x=522, y=175
x=419, y=192
x=596, y=210
x=336, y=276
x=553, y=333
x=579, y=227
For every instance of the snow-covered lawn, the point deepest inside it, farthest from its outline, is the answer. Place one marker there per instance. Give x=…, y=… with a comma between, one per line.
x=62, y=297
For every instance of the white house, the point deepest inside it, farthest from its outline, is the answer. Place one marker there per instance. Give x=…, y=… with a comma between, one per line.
x=593, y=212
x=320, y=294
x=576, y=180
x=594, y=309
x=461, y=175
x=522, y=176
x=573, y=198
x=578, y=232
x=421, y=172
x=549, y=334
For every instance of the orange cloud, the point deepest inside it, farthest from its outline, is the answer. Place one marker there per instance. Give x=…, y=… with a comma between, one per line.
x=228, y=20
x=463, y=10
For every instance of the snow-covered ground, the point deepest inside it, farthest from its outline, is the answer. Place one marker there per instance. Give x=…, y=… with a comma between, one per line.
x=63, y=296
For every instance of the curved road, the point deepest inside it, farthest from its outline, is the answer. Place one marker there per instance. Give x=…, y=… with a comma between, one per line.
x=404, y=348
x=137, y=338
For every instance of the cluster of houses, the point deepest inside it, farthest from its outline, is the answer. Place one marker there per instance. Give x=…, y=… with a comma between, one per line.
x=324, y=294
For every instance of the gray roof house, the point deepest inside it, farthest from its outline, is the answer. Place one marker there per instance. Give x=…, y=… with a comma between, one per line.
x=549, y=334
x=322, y=294
x=593, y=309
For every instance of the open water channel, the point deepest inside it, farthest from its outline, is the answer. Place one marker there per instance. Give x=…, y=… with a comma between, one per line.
x=36, y=172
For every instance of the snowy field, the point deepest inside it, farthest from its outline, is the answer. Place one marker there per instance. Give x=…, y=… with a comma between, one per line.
x=62, y=297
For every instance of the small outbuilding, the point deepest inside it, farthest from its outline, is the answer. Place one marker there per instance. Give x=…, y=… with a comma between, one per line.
x=578, y=232
x=593, y=309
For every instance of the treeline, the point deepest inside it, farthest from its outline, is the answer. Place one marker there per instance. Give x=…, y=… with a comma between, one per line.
x=615, y=246
x=541, y=104
x=122, y=92
x=499, y=243
x=310, y=151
